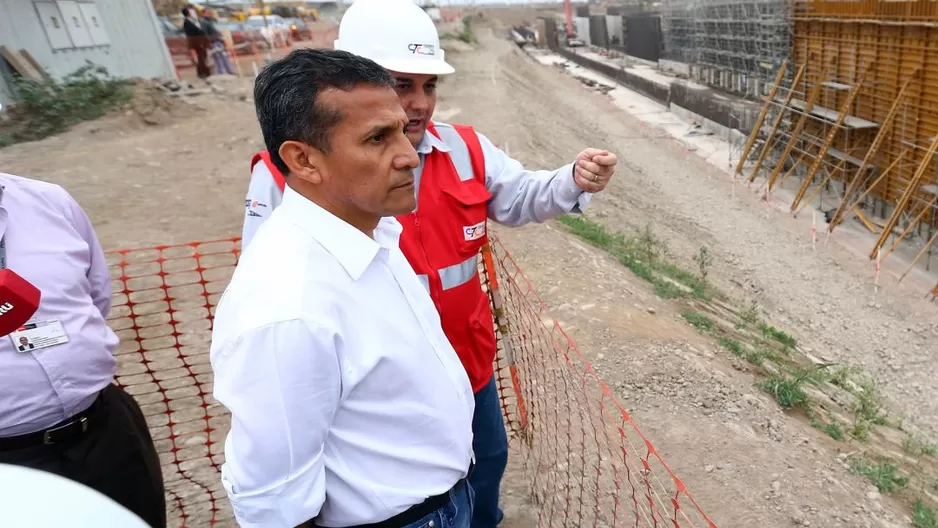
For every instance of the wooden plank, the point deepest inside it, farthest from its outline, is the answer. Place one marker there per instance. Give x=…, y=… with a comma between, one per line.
x=34, y=63
x=829, y=114
x=802, y=118
x=809, y=177
x=877, y=142
x=906, y=196
x=919, y=256
x=19, y=64
x=908, y=229
x=764, y=112
x=770, y=139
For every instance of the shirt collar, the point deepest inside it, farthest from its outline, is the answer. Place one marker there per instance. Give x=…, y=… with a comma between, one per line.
x=430, y=142
x=352, y=248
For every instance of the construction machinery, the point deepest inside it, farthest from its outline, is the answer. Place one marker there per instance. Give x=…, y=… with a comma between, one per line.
x=568, y=15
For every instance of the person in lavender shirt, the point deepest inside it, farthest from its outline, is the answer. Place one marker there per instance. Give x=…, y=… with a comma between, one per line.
x=59, y=410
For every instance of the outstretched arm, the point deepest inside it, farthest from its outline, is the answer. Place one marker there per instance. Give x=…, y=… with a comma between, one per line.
x=521, y=196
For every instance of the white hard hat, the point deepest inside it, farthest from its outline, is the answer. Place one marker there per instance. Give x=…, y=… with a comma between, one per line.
x=33, y=498
x=397, y=34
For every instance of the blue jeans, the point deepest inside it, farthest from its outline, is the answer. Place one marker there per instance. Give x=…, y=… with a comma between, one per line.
x=457, y=513
x=220, y=55
x=490, y=444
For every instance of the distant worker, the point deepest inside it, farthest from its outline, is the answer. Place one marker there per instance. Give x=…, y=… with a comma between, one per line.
x=219, y=53
x=463, y=180
x=349, y=407
x=198, y=41
x=59, y=408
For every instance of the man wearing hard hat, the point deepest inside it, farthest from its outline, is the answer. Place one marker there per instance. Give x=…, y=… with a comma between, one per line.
x=462, y=181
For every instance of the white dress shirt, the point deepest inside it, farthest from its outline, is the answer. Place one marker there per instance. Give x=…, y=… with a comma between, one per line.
x=347, y=401
x=519, y=196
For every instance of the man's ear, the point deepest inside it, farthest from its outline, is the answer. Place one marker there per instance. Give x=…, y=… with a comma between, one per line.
x=304, y=161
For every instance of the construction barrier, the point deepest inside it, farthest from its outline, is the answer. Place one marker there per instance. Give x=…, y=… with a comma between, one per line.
x=584, y=458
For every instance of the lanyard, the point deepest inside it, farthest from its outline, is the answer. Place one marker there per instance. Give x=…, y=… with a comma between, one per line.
x=3, y=253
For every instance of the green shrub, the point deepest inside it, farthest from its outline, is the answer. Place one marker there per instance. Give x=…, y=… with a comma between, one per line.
x=48, y=107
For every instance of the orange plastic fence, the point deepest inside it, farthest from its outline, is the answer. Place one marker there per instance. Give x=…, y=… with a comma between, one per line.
x=164, y=299
x=584, y=458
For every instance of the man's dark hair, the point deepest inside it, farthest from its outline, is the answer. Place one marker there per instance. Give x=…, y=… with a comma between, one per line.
x=286, y=96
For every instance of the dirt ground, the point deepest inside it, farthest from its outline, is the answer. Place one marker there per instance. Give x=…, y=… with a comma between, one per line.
x=743, y=459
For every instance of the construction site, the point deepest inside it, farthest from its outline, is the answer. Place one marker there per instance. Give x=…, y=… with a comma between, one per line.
x=741, y=329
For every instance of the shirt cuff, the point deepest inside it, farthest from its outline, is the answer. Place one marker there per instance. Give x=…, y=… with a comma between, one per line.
x=570, y=196
x=281, y=507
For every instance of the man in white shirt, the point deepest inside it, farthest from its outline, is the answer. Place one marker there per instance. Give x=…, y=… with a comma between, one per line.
x=349, y=406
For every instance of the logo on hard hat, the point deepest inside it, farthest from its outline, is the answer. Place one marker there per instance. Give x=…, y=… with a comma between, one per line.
x=422, y=49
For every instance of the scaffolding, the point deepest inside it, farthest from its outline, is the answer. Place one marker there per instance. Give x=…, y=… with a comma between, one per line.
x=734, y=45
x=858, y=120
x=677, y=28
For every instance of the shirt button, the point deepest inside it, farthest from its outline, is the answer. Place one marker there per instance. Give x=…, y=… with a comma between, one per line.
x=431, y=524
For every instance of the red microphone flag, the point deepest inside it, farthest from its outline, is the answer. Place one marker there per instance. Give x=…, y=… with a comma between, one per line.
x=19, y=300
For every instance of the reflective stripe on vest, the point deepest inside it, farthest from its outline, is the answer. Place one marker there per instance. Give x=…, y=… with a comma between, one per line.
x=457, y=274
x=459, y=152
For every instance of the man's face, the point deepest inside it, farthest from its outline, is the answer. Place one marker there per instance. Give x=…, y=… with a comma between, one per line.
x=24, y=341
x=369, y=167
x=418, y=98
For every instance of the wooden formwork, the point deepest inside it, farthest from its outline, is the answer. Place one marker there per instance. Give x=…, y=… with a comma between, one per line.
x=871, y=68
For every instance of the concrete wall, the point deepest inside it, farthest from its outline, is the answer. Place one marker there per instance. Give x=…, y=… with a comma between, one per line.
x=599, y=36
x=582, y=26
x=680, y=68
x=643, y=36
x=615, y=30
x=551, y=36
x=714, y=110
x=133, y=45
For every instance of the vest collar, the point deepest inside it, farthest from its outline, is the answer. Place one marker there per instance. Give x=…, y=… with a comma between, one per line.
x=430, y=142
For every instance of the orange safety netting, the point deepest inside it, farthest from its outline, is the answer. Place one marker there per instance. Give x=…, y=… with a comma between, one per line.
x=164, y=300
x=585, y=459
x=586, y=462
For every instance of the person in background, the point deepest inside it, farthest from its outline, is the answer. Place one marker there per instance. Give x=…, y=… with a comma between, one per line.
x=463, y=180
x=349, y=406
x=198, y=41
x=219, y=53
x=59, y=409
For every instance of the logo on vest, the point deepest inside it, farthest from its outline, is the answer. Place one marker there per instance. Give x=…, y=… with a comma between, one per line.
x=474, y=232
x=422, y=49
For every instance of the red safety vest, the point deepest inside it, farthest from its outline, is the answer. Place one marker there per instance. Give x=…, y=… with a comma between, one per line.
x=442, y=240
x=265, y=157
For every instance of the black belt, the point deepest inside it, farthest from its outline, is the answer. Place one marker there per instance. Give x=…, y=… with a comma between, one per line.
x=63, y=431
x=419, y=511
